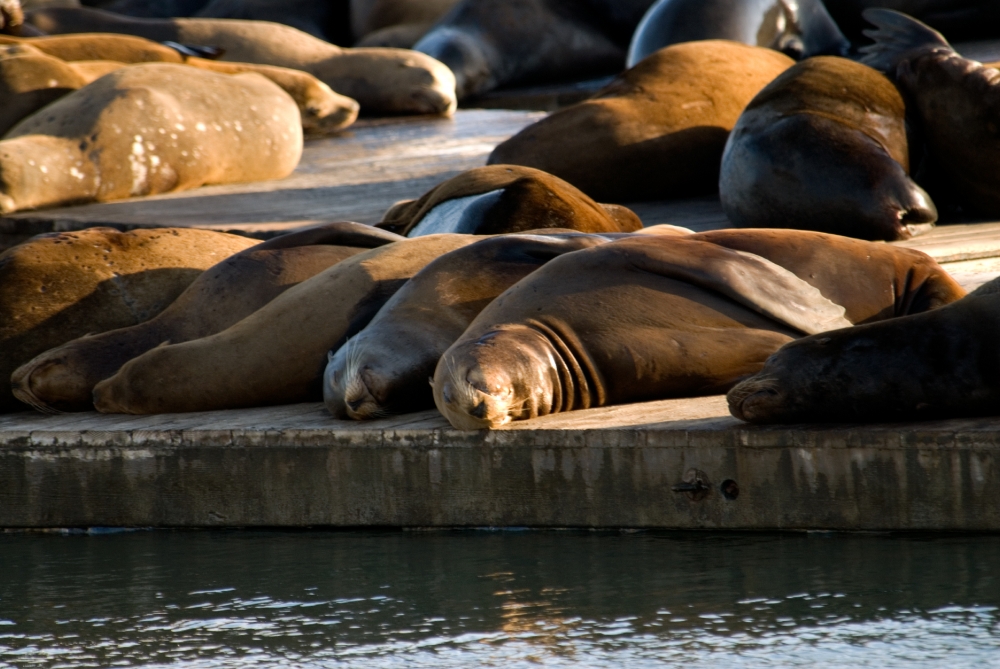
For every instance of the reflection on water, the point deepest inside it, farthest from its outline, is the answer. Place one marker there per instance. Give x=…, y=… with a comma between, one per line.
x=510, y=599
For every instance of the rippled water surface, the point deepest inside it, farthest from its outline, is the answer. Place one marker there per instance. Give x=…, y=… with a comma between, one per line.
x=505, y=599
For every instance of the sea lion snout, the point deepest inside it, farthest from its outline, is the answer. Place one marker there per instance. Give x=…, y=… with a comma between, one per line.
x=49, y=377
x=755, y=399
x=465, y=55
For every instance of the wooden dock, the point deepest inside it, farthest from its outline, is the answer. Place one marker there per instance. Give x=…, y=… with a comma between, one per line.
x=671, y=464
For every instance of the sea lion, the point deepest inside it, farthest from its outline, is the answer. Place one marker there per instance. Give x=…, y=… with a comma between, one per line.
x=277, y=354
x=63, y=378
x=956, y=102
x=383, y=81
x=501, y=199
x=824, y=147
x=940, y=364
x=798, y=29
x=147, y=129
x=493, y=43
x=90, y=56
x=60, y=286
x=328, y=20
x=384, y=368
x=150, y=9
x=649, y=318
x=657, y=131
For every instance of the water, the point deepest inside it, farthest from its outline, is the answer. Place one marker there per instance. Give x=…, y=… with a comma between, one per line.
x=497, y=599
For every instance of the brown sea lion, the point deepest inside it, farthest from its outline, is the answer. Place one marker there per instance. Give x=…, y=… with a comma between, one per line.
x=29, y=80
x=147, y=129
x=941, y=364
x=277, y=354
x=824, y=147
x=493, y=43
x=383, y=81
x=657, y=131
x=60, y=286
x=384, y=368
x=656, y=317
x=99, y=46
x=63, y=378
x=956, y=100
x=501, y=199
x=800, y=29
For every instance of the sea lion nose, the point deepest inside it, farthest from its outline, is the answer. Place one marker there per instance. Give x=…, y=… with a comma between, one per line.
x=479, y=411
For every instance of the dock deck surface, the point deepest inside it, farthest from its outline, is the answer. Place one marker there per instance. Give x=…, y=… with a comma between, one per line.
x=630, y=466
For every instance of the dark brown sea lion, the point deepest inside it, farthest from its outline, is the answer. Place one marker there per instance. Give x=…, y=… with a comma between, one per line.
x=277, y=354
x=640, y=319
x=501, y=199
x=63, y=378
x=60, y=286
x=146, y=129
x=657, y=131
x=824, y=147
x=941, y=364
x=384, y=368
x=959, y=19
x=383, y=81
x=395, y=23
x=956, y=100
x=799, y=29
x=150, y=9
x=493, y=43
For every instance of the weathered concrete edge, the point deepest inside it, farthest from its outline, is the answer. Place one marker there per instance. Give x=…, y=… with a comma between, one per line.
x=821, y=479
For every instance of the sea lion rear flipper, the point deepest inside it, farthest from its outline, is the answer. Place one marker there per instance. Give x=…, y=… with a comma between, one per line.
x=897, y=34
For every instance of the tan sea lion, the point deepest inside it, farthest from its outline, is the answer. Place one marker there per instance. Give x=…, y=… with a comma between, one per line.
x=277, y=354
x=383, y=81
x=649, y=318
x=147, y=129
x=824, y=147
x=657, y=131
x=941, y=364
x=63, y=378
x=384, y=368
x=90, y=56
x=956, y=100
x=60, y=286
x=499, y=199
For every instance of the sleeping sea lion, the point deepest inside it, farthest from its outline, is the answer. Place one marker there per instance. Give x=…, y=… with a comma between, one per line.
x=31, y=79
x=60, y=286
x=824, y=147
x=657, y=131
x=63, y=378
x=148, y=129
x=383, y=81
x=150, y=9
x=956, y=100
x=501, y=199
x=493, y=43
x=940, y=364
x=328, y=20
x=277, y=354
x=384, y=368
x=649, y=318
x=799, y=29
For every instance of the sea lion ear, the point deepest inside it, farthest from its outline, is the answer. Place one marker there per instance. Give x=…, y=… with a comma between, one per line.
x=430, y=380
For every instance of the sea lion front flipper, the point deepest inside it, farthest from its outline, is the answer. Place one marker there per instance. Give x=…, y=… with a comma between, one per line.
x=896, y=35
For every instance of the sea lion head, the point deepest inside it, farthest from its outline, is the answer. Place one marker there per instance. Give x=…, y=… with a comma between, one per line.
x=51, y=376
x=796, y=384
x=362, y=375
x=509, y=373
x=469, y=57
x=325, y=111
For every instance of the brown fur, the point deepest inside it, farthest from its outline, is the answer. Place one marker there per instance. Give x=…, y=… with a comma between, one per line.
x=63, y=378
x=532, y=200
x=619, y=323
x=277, y=354
x=657, y=131
x=61, y=286
x=147, y=129
x=383, y=81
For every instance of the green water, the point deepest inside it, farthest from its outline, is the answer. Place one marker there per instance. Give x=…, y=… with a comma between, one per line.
x=497, y=599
